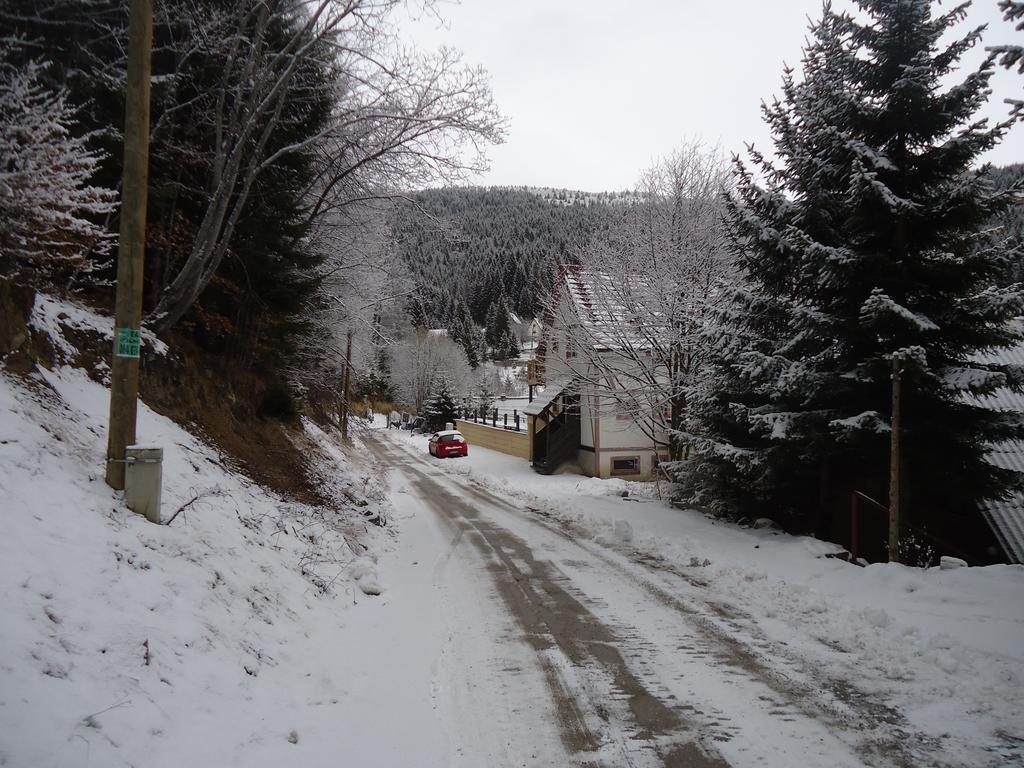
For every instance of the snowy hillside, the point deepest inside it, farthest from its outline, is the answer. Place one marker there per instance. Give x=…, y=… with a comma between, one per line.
x=223, y=638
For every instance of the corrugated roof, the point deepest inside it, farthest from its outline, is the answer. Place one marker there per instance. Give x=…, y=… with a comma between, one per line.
x=1006, y=517
x=607, y=307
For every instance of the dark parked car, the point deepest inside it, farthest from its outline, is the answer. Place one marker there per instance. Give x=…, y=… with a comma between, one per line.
x=446, y=444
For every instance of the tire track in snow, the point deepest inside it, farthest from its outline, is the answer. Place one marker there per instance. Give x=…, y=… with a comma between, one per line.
x=606, y=715
x=718, y=636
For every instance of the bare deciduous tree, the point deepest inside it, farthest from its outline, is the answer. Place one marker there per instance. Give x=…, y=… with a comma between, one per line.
x=399, y=118
x=362, y=293
x=420, y=358
x=645, y=295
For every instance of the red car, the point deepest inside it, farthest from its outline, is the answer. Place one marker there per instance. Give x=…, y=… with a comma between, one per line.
x=445, y=444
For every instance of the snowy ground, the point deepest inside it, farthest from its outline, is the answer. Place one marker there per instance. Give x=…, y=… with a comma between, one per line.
x=933, y=658
x=239, y=635
x=522, y=620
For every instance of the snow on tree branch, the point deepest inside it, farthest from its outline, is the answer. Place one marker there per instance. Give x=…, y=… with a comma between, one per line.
x=48, y=208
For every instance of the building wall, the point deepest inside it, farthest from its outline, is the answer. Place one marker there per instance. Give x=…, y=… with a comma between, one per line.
x=587, y=421
x=647, y=458
x=495, y=438
x=587, y=461
x=617, y=432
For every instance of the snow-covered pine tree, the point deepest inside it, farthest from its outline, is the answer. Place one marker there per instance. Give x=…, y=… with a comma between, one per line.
x=862, y=244
x=464, y=331
x=48, y=208
x=492, y=325
x=507, y=347
x=498, y=332
x=440, y=408
x=1011, y=56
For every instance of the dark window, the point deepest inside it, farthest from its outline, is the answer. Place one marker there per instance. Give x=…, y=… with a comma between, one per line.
x=625, y=465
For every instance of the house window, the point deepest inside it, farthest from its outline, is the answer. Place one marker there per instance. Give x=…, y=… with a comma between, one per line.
x=625, y=465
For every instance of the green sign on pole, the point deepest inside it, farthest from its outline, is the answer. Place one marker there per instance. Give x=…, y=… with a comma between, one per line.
x=127, y=342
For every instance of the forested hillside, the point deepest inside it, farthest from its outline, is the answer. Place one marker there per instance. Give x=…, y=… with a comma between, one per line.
x=468, y=247
x=1011, y=221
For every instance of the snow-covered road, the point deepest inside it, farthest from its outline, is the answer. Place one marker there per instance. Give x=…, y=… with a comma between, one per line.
x=563, y=651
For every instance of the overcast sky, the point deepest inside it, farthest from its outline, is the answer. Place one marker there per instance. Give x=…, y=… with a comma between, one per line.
x=596, y=89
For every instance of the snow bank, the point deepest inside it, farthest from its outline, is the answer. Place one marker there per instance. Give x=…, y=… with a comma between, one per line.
x=228, y=637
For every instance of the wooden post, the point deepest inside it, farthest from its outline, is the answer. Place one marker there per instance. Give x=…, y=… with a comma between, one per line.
x=131, y=248
x=854, y=544
x=894, y=467
x=504, y=420
x=346, y=386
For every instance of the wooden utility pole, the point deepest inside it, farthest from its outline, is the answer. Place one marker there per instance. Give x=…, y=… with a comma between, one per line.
x=894, y=467
x=346, y=386
x=124, y=371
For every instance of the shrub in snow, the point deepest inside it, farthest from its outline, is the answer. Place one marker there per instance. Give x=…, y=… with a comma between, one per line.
x=48, y=208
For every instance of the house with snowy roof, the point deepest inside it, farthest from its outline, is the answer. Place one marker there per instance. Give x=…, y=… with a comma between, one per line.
x=526, y=331
x=587, y=413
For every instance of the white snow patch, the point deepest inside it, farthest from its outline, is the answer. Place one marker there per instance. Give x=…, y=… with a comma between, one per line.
x=50, y=313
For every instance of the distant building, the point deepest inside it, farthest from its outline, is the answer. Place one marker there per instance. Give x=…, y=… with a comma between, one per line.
x=525, y=330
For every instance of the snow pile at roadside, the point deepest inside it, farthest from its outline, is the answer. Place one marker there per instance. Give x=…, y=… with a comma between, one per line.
x=224, y=638
x=943, y=646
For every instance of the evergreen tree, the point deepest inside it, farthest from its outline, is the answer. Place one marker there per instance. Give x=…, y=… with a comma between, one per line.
x=507, y=346
x=862, y=245
x=492, y=325
x=1012, y=56
x=464, y=331
x=441, y=408
x=1008, y=225
x=498, y=334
